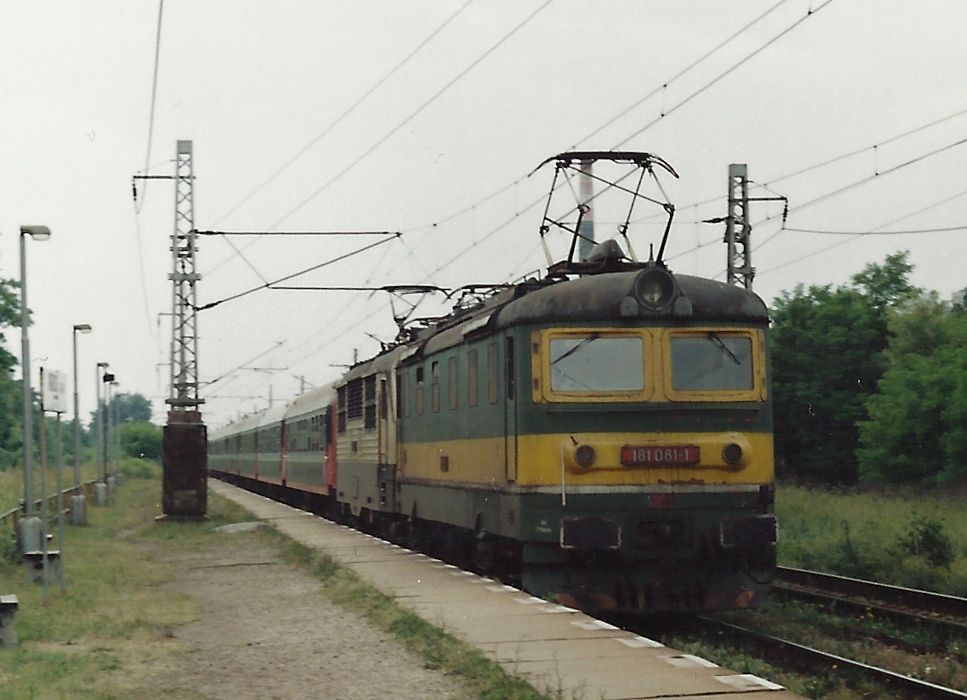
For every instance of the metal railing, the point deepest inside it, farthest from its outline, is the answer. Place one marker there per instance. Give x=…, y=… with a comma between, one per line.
x=12, y=516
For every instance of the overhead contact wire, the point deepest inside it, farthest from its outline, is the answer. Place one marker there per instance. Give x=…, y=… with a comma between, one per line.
x=268, y=285
x=680, y=73
x=349, y=110
x=721, y=76
x=147, y=164
x=414, y=114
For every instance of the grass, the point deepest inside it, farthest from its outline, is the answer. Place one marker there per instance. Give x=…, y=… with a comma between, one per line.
x=12, y=482
x=113, y=619
x=112, y=630
x=873, y=535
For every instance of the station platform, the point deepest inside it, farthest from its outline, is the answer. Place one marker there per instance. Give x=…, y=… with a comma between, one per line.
x=554, y=648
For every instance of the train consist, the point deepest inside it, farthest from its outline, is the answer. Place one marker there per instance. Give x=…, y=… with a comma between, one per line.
x=602, y=435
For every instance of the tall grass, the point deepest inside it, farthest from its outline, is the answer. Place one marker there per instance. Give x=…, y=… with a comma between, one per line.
x=111, y=630
x=913, y=538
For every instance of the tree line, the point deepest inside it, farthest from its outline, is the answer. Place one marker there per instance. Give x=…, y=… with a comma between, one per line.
x=870, y=381
x=131, y=412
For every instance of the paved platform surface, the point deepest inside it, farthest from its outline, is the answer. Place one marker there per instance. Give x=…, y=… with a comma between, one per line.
x=552, y=647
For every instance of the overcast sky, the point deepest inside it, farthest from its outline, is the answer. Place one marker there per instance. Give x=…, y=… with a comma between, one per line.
x=269, y=93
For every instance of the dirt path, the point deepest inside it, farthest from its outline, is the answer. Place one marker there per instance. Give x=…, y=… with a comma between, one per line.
x=266, y=631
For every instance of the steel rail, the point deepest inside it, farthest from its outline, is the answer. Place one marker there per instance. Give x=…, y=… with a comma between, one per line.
x=945, y=627
x=923, y=601
x=816, y=661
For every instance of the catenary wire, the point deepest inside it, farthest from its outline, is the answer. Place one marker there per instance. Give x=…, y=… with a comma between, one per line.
x=415, y=113
x=349, y=110
x=728, y=71
x=680, y=73
x=285, y=278
x=147, y=163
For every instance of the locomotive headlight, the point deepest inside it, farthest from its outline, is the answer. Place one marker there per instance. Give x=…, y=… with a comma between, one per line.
x=655, y=287
x=732, y=454
x=585, y=455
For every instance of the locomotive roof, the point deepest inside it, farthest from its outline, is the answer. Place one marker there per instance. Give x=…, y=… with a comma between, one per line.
x=598, y=298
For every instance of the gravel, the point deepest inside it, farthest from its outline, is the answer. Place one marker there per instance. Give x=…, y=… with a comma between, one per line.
x=266, y=631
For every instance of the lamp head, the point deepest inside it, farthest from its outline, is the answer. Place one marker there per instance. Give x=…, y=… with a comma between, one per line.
x=38, y=233
x=82, y=327
x=102, y=364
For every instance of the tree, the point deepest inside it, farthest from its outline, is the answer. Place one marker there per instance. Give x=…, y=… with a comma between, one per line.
x=125, y=408
x=917, y=426
x=828, y=356
x=11, y=437
x=141, y=440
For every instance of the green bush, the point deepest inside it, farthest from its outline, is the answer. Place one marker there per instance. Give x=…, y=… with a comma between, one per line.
x=137, y=468
x=141, y=440
x=878, y=535
x=926, y=537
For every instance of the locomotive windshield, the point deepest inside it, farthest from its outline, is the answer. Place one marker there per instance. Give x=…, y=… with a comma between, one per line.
x=712, y=362
x=597, y=364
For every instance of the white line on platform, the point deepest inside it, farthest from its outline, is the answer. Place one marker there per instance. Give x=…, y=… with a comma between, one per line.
x=746, y=681
x=688, y=661
x=640, y=643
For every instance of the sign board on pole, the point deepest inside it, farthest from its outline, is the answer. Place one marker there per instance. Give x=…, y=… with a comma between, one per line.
x=55, y=391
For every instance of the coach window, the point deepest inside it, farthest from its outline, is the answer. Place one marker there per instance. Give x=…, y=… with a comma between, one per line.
x=452, y=385
x=493, y=368
x=419, y=391
x=472, y=378
x=435, y=387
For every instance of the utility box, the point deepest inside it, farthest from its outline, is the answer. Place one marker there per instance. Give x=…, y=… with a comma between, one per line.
x=184, y=455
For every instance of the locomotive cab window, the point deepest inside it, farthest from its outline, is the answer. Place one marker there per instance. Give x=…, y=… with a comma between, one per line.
x=714, y=364
x=594, y=365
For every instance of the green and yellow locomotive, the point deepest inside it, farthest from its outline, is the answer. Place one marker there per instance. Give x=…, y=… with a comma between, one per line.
x=603, y=436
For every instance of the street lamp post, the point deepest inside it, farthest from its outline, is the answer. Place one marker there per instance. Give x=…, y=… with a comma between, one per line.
x=109, y=455
x=78, y=502
x=31, y=530
x=115, y=477
x=100, y=489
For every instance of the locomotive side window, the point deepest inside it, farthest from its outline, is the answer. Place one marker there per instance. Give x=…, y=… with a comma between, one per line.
x=435, y=387
x=472, y=378
x=492, y=370
x=452, y=384
x=594, y=363
x=419, y=391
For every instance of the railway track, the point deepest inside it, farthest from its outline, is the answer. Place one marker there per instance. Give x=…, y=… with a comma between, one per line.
x=903, y=607
x=946, y=615
x=809, y=660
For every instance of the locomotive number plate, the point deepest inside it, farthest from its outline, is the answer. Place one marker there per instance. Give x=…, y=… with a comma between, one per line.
x=659, y=455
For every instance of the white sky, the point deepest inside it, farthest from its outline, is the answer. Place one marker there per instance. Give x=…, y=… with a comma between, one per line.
x=253, y=83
